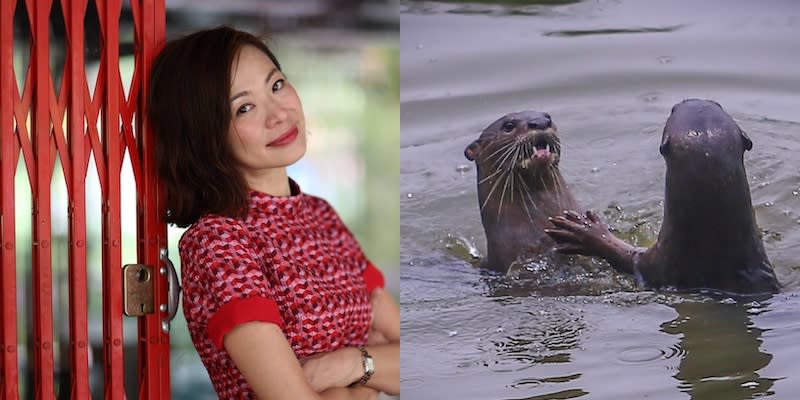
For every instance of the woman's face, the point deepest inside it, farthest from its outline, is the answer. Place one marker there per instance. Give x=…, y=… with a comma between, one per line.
x=267, y=131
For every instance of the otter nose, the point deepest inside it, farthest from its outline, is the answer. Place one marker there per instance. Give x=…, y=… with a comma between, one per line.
x=539, y=123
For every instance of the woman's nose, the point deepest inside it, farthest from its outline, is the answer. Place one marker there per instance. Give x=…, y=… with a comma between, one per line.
x=276, y=113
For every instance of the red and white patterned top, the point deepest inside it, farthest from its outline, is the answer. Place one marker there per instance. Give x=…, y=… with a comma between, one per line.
x=291, y=262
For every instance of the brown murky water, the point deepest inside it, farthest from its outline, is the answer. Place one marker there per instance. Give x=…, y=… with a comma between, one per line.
x=608, y=72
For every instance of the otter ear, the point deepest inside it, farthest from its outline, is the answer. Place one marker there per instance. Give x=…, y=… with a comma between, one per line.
x=472, y=151
x=664, y=148
x=748, y=144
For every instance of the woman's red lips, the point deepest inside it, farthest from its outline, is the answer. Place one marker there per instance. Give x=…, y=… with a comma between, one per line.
x=285, y=139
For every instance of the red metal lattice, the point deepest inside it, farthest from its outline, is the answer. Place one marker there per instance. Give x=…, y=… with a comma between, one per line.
x=122, y=129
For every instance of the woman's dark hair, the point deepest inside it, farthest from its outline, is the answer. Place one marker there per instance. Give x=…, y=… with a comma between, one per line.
x=189, y=112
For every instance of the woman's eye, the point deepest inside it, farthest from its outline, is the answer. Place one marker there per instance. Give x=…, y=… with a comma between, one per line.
x=508, y=126
x=278, y=85
x=244, y=108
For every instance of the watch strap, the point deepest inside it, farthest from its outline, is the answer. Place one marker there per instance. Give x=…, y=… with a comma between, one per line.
x=369, y=368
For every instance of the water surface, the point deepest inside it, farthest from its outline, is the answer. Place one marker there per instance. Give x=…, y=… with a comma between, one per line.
x=608, y=72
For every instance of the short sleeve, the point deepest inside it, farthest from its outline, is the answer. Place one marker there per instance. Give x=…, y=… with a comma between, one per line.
x=230, y=278
x=373, y=277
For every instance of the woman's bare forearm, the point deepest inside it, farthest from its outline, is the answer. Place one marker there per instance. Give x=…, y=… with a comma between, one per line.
x=355, y=393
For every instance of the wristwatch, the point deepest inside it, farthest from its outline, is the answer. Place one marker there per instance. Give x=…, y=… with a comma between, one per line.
x=369, y=367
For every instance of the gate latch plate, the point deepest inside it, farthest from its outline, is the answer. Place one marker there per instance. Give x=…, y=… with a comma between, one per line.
x=137, y=290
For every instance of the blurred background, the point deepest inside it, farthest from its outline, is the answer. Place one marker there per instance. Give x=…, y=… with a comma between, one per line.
x=343, y=58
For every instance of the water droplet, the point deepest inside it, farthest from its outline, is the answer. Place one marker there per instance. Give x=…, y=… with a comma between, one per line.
x=649, y=97
x=763, y=184
x=665, y=59
x=795, y=192
x=613, y=164
x=462, y=168
x=411, y=263
x=452, y=333
x=410, y=195
x=499, y=330
x=420, y=47
x=769, y=204
x=595, y=169
x=728, y=301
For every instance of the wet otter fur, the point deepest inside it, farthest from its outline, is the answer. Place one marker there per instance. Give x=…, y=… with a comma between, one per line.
x=519, y=186
x=709, y=238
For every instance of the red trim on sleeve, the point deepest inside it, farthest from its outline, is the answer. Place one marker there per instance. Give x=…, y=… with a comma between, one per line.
x=373, y=277
x=239, y=311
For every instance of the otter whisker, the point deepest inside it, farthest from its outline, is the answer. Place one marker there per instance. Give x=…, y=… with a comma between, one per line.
x=516, y=157
x=502, y=198
x=502, y=146
x=556, y=185
x=505, y=156
x=525, y=192
x=491, y=192
x=498, y=171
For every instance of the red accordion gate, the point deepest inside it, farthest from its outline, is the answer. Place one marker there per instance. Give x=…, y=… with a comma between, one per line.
x=44, y=129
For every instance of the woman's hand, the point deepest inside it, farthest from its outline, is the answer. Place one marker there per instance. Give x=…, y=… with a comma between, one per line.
x=385, y=317
x=338, y=368
x=376, y=337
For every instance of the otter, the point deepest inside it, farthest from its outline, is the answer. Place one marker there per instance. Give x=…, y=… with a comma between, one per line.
x=519, y=186
x=709, y=238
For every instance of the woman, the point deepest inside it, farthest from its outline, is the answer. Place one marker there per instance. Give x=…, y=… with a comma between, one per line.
x=280, y=301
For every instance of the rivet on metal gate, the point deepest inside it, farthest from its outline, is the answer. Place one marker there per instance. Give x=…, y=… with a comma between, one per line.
x=81, y=344
x=46, y=345
x=80, y=243
x=45, y=244
x=117, y=342
x=115, y=243
x=11, y=348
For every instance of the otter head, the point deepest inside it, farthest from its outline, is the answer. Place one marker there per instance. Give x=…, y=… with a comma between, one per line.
x=525, y=140
x=704, y=151
x=699, y=135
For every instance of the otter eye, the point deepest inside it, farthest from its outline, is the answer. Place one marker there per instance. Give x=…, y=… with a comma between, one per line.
x=509, y=126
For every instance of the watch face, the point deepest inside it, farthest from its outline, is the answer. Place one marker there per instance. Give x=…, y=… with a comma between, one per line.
x=368, y=364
